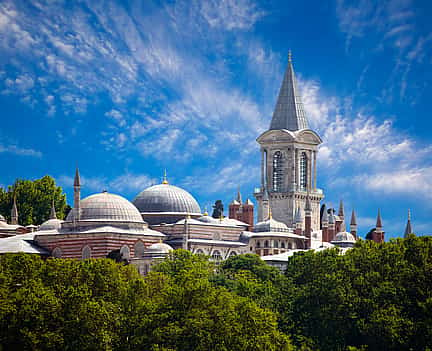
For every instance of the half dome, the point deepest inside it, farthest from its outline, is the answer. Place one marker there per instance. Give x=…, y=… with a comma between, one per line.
x=106, y=207
x=51, y=224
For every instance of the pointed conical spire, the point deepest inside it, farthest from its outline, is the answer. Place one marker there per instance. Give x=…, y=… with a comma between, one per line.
x=325, y=216
x=53, y=214
x=408, y=228
x=14, y=212
x=239, y=198
x=379, y=222
x=341, y=212
x=77, y=179
x=289, y=111
x=353, y=218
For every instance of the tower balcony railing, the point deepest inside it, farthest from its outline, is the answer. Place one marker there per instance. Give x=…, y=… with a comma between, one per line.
x=316, y=191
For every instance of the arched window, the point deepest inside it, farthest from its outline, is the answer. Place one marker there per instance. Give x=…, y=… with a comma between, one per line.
x=86, y=252
x=258, y=244
x=276, y=244
x=199, y=251
x=283, y=245
x=303, y=170
x=277, y=171
x=289, y=246
x=125, y=252
x=216, y=255
x=57, y=253
x=139, y=249
x=233, y=253
x=266, y=243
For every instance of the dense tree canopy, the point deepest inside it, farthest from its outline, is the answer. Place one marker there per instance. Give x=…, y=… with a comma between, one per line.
x=61, y=304
x=34, y=199
x=375, y=297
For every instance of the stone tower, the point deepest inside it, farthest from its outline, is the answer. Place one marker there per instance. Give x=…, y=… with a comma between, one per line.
x=289, y=159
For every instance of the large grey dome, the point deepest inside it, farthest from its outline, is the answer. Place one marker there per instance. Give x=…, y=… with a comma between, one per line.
x=106, y=207
x=166, y=198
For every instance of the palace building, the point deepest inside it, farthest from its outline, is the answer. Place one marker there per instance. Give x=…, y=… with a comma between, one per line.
x=164, y=217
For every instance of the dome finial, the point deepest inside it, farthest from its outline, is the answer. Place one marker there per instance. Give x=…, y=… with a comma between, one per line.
x=165, y=181
x=289, y=56
x=205, y=211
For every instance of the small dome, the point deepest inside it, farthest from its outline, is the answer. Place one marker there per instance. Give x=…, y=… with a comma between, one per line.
x=106, y=207
x=271, y=225
x=166, y=198
x=51, y=224
x=344, y=237
x=208, y=219
x=2, y=219
x=159, y=248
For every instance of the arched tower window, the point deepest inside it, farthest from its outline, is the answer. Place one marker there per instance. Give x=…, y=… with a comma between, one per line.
x=303, y=170
x=277, y=171
x=86, y=252
x=216, y=255
x=139, y=249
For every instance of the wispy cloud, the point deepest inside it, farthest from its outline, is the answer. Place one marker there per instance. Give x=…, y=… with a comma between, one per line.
x=126, y=183
x=19, y=151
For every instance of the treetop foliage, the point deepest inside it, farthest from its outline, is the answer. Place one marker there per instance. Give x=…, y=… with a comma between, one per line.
x=375, y=297
x=34, y=199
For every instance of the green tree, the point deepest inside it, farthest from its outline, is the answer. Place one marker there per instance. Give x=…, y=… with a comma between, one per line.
x=34, y=199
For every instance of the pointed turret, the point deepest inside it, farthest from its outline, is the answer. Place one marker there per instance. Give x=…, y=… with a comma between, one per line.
x=239, y=198
x=77, y=195
x=378, y=222
x=53, y=214
x=324, y=224
x=353, y=224
x=408, y=228
x=14, y=212
x=341, y=212
x=289, y=111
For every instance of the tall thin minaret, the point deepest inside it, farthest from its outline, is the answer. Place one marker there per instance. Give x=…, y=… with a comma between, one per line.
x=408, y=228
x=77, y=195
x=353, y=224
x=14, y=212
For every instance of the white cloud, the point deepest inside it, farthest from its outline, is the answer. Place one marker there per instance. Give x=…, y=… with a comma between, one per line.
x=231, y=14
x=20, y=151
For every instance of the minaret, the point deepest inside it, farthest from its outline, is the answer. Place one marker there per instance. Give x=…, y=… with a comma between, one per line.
x=53, y=214
x=353, y=224
x=308, y=222
x=14, y=212
x=77, y=195
x=324, y=222
x=408, y=228
x=289, y=152
x=378, y=234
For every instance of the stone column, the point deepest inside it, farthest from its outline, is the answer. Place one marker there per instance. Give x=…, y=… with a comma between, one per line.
x=297, y=167
x=293, y=170
x=262, y=169
x=309, y=170
x=314, y=169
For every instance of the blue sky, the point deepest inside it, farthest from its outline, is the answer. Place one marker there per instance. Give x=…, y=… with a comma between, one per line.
x=125, y=89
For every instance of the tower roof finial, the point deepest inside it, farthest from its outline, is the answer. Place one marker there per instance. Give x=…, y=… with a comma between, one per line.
x=165, y=181
x=408, y=228
x=289, y=56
